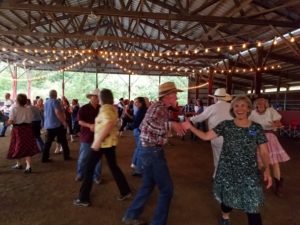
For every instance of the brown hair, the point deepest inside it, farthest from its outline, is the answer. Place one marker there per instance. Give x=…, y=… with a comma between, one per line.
x=106, y=96
x=21, y=99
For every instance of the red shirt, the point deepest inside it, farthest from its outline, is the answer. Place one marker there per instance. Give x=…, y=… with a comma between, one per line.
x=87, y=113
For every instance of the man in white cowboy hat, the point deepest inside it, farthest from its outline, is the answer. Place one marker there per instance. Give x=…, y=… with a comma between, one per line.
x=86, y=119
x=154, y=135
x=215, y=114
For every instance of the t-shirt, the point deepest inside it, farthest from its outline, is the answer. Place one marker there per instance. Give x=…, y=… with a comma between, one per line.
x=51, y=120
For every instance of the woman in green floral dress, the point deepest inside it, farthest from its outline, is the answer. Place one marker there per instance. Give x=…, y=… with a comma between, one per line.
x=237, y=184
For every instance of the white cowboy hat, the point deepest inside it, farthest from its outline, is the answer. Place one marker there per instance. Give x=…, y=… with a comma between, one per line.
x=93, y=93
x=221, y=94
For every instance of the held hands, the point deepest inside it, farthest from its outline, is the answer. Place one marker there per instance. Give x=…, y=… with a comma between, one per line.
x=186, y=124
x=177, y=127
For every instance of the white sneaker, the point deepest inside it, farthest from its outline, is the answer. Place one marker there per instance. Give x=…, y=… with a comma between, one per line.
x=132, y=166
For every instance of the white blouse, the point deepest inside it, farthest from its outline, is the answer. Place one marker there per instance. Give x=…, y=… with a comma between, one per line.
x=266, y=119
x=20, y=115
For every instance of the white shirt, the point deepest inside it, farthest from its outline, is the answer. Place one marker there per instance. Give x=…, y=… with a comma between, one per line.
x=265, y=119
x=20, y=115
x=215, y=114
x=7, y=105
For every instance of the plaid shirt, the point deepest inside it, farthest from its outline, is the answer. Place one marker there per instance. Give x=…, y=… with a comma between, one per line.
x=153, y=127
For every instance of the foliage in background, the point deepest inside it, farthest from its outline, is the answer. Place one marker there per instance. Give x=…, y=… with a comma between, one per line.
x=78, y=84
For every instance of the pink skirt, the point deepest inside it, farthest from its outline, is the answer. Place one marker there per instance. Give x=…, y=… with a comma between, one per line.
x=276, y=152
x=22, y=142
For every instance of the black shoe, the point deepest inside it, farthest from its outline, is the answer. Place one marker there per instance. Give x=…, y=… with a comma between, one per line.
x=47, y=160
x=80, y=203
x=17, y=167
x=124, y=197
x=127, y=221
x=136, y=174
x=27, y=170
x=224, y=221
x=78, y=178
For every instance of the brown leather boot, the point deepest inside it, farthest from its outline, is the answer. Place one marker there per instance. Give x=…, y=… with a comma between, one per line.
x=278, y=187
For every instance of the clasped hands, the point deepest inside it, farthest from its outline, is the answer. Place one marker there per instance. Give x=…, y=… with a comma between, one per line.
x=181, y=128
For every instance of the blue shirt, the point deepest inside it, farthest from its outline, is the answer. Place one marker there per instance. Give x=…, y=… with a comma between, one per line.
x=51, y=120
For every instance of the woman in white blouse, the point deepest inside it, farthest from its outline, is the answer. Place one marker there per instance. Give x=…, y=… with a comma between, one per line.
x=22, y=142
x=269, y=119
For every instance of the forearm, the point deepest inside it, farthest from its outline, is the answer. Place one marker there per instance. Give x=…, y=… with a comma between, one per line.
x=203, y=135
x=264, y=155
x=85, y=124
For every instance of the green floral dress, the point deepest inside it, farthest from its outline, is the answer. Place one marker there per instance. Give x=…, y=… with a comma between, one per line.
x=238, y=180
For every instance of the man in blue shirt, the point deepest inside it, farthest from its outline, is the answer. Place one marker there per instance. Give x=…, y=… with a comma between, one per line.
x=55, y=125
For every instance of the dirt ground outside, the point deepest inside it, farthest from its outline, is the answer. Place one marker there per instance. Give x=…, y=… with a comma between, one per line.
x=45, y=196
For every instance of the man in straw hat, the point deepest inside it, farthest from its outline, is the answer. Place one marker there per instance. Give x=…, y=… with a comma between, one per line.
x=215, y=114
x=154, y=130
x=86, y=119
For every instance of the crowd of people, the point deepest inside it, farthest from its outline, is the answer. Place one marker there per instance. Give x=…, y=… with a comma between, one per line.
x=243, y=140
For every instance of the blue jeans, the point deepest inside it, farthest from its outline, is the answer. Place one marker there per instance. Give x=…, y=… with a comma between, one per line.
x=136, y=155
x=84, y=150
x=5, y=119
x=155, y=172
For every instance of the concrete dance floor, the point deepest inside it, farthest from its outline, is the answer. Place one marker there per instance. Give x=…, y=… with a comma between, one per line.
x=45, y=196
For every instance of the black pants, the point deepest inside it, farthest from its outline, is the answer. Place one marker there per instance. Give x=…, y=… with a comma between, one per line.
x=60, y=133
x=93, y=159
x=253, y=218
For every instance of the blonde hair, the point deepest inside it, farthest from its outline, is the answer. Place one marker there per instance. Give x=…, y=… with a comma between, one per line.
x=241, y=98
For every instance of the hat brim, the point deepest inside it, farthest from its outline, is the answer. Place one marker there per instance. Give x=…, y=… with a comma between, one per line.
x=90, y=95
x=161, y=94
x=226, y=98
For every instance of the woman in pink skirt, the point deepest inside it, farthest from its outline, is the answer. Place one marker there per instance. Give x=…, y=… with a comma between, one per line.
x=269, y=119
x=22, y=142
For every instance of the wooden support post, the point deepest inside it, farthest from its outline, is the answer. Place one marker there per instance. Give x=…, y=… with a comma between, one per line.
x=258, y=75
x=129, y=86
x=97, y=79
x=197, y=84
x=14, y=84
x=63, y=84
x=228, y=83
x=28, y=76
x=210, y=86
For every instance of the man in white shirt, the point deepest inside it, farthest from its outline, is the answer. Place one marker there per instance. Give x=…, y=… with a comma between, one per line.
x=215, y=114
x=6, y=110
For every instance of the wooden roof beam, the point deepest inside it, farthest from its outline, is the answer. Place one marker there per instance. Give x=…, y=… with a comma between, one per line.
x=146, y=15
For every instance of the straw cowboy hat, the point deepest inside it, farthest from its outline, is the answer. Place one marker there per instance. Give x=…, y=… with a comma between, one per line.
x=167, y=88
x=221, y=94
x=93, y=93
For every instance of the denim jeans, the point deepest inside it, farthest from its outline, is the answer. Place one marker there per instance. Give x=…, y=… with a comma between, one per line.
x=136, y=155
x=84, y=150
x=155, y=172
x=5, y=119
